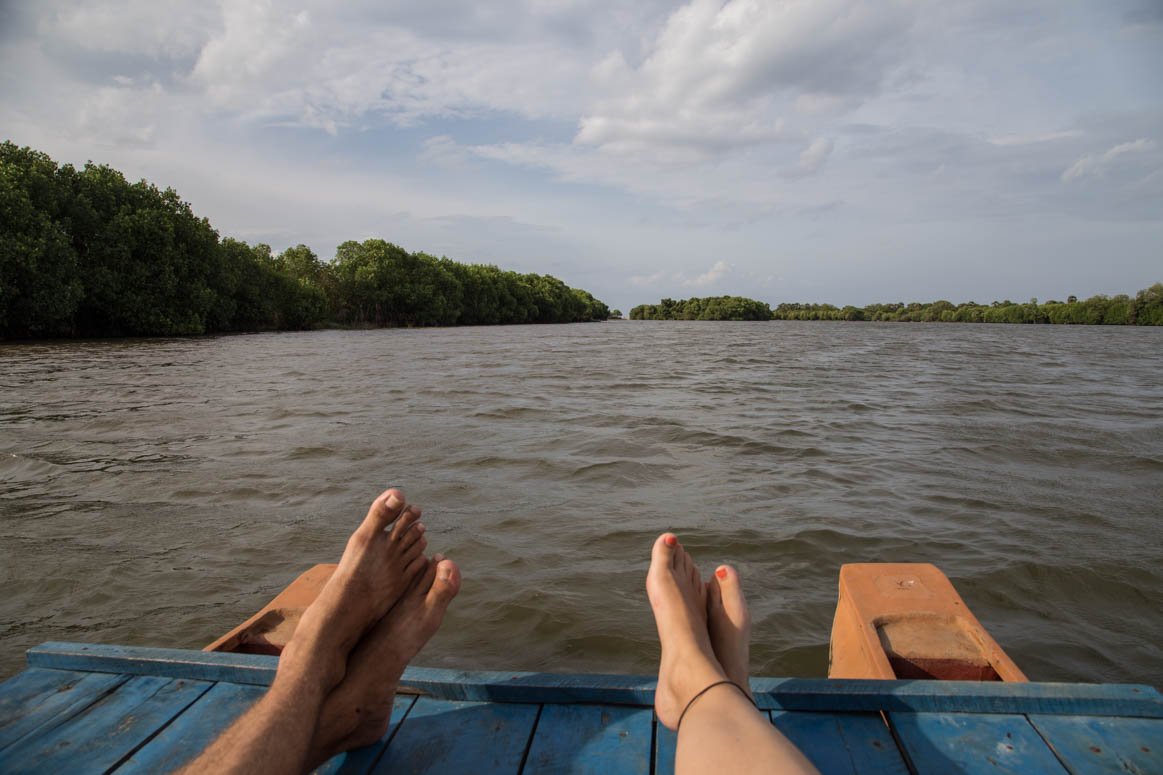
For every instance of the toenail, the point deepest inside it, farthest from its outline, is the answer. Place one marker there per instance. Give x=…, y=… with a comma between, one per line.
x=721, y=573
x=394, y=501
x=444, y=572
x=671, y=541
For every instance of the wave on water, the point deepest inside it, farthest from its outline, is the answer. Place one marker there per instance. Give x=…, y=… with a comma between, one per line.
x=158, y=493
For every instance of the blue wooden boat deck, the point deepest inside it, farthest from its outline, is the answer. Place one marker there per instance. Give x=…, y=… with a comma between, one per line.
x=87, y=708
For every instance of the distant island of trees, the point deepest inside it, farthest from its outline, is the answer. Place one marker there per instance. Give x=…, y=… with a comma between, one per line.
x=1143, y=309
x=88, y=254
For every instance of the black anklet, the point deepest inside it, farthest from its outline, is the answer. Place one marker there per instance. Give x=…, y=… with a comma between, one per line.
x=704, y=691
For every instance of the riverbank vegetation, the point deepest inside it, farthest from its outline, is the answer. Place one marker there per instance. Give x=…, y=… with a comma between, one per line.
x=710, y=308
x=85, y=253
x=1144, y=309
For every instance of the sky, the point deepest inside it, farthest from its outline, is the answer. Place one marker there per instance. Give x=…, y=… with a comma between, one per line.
x=838, y=151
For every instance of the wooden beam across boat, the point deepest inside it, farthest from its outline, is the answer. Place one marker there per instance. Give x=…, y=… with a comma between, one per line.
x=102, y=708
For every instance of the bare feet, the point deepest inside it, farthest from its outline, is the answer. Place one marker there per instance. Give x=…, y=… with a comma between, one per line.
x=729, y=623
x=358, y=711
x=679, y=599
x=380, y=562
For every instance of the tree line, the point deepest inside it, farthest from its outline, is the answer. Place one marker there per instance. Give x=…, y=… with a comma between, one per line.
x=710, y=308
x=1143, y=309
x=86, y=253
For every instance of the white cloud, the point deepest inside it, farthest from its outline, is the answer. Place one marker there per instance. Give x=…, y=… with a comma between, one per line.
x=314, y=68
x=712, y=275
x=122, y=115
x=796, y=136
x=156, y=28
x=1030, y=139
x=1096, y=164
x=812, y=158
x=648, y=281
x=719, y=74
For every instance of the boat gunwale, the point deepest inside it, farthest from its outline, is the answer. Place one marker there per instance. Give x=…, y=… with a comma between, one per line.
x=771, y=693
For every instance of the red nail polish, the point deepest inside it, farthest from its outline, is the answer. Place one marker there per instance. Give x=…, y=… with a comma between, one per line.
x=671, y=540
x=721, y=573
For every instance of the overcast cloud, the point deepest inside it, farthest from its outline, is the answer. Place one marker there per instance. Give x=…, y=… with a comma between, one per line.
x=789, y=150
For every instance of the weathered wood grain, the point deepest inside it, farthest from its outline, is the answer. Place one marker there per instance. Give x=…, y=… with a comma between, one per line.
x=257, y=669
x=21, y=694
x=813, y=694
x=189, y=733
x=591, y=740
x=1126, y=746
x=98, y=737
x=973, y=744
x=843, y=743
x=443, y=736
x=55, y=708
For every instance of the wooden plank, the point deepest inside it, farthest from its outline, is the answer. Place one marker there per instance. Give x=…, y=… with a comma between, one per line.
x=813, y=694
x=591, y=740
x=193, y=730
x=843, y=743
x=991, y=697
x=442, y=736
x=101, y=735
x=1104, y=745
x=22, y=693
x=361, y=760
x=973, y=744
x=665, y=742
x=257, y=669
x=490, y=686
x=57, y=707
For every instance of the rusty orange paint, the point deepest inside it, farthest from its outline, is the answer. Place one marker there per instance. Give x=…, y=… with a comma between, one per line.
x=905, y=620
x=269, y=630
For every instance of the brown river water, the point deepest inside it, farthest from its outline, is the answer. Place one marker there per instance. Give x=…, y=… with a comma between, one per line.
x=158, y=492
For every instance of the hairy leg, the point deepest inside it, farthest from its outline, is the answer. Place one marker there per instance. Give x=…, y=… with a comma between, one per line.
x=698, y=626
x=382, y=558
x=358, y=711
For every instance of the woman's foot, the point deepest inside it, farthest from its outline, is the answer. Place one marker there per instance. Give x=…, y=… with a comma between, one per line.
x=679, y=600
x=382, y=558
x=729, y=623
x=359, y=709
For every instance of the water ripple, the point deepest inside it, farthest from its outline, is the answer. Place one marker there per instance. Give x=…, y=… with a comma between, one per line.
x=159, y=491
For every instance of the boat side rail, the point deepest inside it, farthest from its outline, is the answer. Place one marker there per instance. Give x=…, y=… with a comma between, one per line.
x=789, y=694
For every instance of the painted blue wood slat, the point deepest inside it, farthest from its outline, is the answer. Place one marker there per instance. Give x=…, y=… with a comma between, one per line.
x=816, y=694
x=58, y=707
x=451, y=736
x=1104, y=745
x=258, y=669
x=101, y=735
x=850, y=695
x=843, y=743
x=973, y=744
x=665, y=741
x=361, y=760
x=25, y=691
x=193, y=730
x=591, y=740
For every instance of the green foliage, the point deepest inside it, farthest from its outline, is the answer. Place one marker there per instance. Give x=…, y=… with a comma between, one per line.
x=1145, y=309
x=710, y=308
x=89, y=254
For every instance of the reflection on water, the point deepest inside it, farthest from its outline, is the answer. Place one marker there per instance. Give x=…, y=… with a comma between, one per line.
x=158, y=492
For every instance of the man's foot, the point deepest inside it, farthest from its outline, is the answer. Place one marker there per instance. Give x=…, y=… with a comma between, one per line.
x=679, y=600
x=358, y=711
x=380, y=562
x=729, y=623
